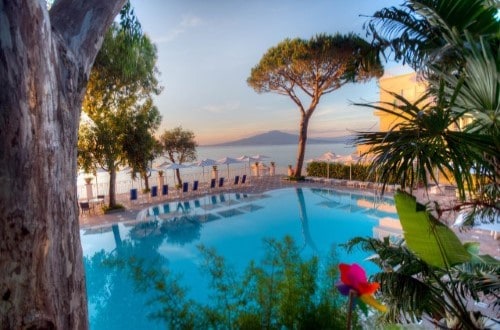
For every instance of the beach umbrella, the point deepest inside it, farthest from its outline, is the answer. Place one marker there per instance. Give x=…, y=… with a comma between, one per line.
x=259, y=157
x=205, y=162
x=174, y=166
x=328, y=157
x=349, y=159
x=227, y=161
x=245, y=159
x=162, y=165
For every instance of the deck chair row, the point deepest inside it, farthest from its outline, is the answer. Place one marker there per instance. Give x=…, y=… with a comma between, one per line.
x=185, y=187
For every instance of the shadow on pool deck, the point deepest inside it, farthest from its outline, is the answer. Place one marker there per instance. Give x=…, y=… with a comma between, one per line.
x=488, y=245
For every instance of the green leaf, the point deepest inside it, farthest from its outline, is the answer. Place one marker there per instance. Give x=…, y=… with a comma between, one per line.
x=429, y=239
x=473, y=249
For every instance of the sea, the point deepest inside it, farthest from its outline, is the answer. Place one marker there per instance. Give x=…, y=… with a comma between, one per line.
x=281, y=155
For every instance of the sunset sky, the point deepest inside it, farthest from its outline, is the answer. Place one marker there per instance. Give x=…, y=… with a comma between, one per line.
x=206, y=50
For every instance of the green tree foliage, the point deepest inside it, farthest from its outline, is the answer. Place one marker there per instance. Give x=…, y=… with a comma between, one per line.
x=359, y=172
x=305, y=70
x=140, y=146
x=118, y=102
x=179, y=146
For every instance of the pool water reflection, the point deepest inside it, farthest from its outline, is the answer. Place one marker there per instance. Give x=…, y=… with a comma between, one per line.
x=235, y=225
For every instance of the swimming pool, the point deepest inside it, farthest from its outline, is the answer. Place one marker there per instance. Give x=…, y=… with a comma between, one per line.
x=235, y=225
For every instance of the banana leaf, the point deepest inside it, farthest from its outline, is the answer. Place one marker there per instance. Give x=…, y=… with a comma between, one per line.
x=429, y=239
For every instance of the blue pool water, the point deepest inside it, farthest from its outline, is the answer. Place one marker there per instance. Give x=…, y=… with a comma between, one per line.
x=235, y=225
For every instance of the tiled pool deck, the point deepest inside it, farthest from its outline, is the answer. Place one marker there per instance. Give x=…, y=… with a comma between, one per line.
x=96, y=218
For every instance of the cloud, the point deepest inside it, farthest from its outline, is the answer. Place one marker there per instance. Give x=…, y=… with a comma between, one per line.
x=187, y=22
x=190, y=21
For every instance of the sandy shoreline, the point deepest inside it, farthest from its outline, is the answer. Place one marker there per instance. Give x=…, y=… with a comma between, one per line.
x=258, y=185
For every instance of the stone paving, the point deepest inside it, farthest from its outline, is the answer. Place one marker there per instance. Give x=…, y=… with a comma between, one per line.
x=96, y=218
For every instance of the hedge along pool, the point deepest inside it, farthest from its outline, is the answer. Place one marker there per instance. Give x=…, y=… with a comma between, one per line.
x=236, y=226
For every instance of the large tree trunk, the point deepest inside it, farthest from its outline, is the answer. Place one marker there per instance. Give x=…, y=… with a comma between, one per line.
x=178, y=176
x=44, y=66
x=112, y=187
x=304, y=122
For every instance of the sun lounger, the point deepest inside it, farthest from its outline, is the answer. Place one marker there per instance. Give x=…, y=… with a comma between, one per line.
x=195, y=185
x=164, y=190
x=185, y=187
x=85, y=207
x=221, y=182
x=244, y=179
x=154, y=191
x=236, y=180
x=212, y=183
x=133, y=194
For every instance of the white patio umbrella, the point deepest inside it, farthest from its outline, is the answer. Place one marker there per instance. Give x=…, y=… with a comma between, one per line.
x=349, y=159
x=227, y=161
x=245, y=159
x=174, y=166
x=259, y=157
x=328, y=157
x=205, y=162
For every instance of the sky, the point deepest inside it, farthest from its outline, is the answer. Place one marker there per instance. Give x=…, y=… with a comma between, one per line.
x=206, y=49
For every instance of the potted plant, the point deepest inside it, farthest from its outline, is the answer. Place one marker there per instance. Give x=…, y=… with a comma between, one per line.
x=256, y=169
x=161, y=179
x=215, y=174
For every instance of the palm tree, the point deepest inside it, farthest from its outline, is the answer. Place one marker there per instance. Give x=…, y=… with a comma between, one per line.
x=456, y=41
x=412, y=149
x=432, y=32
x=454, y=127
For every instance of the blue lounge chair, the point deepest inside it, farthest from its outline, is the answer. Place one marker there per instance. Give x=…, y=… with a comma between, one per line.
x=221, y=182
x=195, y=185
x=212, y=184
x=243, y=179
x=164, y=190
x=156, y=211
x=236, y=180
x=222, y=198
x=154, y=191
x=133, y=194
x=185, y=187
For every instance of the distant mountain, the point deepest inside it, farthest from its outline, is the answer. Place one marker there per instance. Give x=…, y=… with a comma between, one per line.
x=279, y=138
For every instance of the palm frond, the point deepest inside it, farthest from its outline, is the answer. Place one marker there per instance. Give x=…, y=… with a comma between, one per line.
x=424, y=141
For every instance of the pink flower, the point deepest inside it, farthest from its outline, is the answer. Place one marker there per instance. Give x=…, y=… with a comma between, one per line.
x=353, y=281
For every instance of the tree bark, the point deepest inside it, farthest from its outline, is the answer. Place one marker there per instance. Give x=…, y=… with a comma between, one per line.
x=178, y=176
x=304, y=122
x=112, y=187
x=45, y=61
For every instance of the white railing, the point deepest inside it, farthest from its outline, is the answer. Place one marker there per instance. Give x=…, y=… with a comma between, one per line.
x=124, y=186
